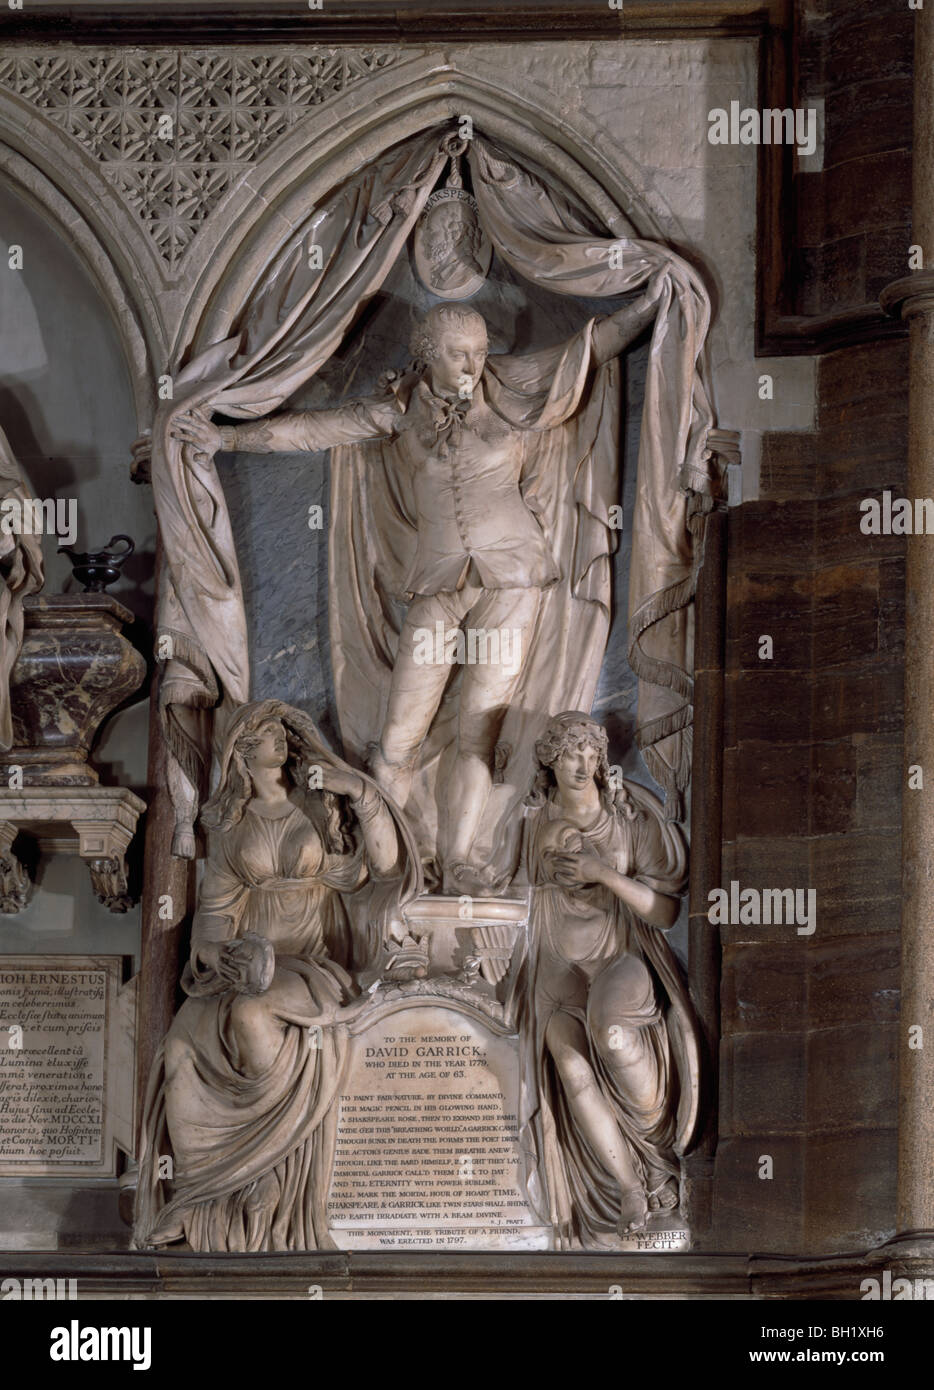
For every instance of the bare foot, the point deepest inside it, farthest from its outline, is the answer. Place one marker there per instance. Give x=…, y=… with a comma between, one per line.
x=461, y=878
x=666, y=1199
x=633, y=1211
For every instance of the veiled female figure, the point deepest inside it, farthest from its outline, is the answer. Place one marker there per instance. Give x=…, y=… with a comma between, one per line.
x=242, y=1092
x=610, y=1056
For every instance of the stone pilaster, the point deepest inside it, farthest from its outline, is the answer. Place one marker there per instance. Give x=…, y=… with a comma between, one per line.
x=913, y=298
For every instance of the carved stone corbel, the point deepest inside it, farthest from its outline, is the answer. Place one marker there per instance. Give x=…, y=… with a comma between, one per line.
x=14, y=880
x=102, y=845
x=96, y=823
x=109, y=881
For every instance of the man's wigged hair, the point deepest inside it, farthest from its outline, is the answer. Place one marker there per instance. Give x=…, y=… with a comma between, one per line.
x=424, y=341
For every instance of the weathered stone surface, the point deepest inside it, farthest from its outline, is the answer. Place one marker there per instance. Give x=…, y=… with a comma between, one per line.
x=843, y=208
x=852, y=1076
x=846, y=624
x=764, y=1083
x=870, y=117
x=832, y=274
x=839, y=537
x=858, y=882
x=765, y=987
x=862, y=702
x=789, y=466
x=886, y=259
x=760, y=1213
x=833, y=786
x=771, y=706
x=780, y=860
x=853, y=980
x=780, y=775
x=849, y=1190
x=863, y=378
x=774, y=605
x=881, y=772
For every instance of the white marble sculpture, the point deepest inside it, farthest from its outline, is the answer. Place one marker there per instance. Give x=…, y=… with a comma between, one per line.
x=464, y=433
x=21, y=573
x=535, y=436
x=452, y=255
x=471, y=532
x=610, y=1047
x=242, y=1094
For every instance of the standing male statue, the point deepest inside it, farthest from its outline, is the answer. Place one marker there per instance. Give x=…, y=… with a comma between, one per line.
x=466, y=455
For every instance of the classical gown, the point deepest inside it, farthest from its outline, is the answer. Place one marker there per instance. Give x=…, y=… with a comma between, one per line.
x=592, y=957
x=253, y=1155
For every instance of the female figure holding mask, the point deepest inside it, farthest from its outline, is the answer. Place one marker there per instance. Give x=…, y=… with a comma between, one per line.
x=243, y=1090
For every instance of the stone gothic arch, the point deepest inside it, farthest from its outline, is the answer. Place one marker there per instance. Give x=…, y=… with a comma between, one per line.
x=402, y=101
x=73, y=143
x=59, y=197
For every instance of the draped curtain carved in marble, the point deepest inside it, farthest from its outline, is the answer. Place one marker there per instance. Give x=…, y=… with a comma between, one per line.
x=296, y=318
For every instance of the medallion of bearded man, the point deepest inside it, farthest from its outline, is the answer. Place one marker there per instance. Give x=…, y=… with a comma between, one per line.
x=452, y=256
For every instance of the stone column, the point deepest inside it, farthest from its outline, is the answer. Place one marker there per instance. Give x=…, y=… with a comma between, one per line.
x=704, y=946
x=913, y=298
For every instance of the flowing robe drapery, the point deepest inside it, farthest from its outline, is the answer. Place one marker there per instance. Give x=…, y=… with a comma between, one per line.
x=294, y=321
x=291, y=325
x=550, y=242
x=568, y=1186
x=253, y=1153
x=21, y=573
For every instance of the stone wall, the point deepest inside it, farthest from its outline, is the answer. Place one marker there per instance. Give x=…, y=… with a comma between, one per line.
x=814, y=760
x=854, y=214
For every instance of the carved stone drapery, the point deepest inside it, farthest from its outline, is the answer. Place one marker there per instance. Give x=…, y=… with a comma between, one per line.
x=254, y=215
x=164, y=310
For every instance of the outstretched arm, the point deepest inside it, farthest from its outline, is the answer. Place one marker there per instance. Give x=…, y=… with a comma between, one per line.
x=613, y=334
x=299, y=431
